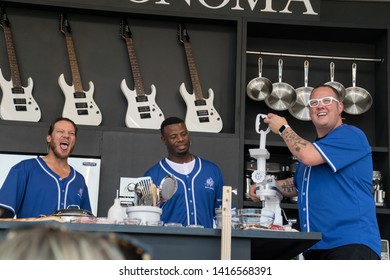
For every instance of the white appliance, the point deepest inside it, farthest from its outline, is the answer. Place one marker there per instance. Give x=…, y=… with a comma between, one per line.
x=88, y=167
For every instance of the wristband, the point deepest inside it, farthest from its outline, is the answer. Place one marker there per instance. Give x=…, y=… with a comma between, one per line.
x=283, y=128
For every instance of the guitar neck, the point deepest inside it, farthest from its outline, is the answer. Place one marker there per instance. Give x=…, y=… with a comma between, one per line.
x=73, y=63
x=135, y=67
x=193, y=72
x=12, y=58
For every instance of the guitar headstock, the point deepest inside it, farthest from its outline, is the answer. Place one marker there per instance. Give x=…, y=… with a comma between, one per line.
x=64, y=24
x=4, y=22
x=124, y=29
x=183, y=34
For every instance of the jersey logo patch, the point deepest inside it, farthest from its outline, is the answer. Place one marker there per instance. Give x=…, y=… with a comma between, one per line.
x=80, y=193
x=209, y=184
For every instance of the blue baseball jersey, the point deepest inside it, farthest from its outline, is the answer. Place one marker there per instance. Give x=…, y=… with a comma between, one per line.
x=32, y=189
x=197, y=195
x=335, y=198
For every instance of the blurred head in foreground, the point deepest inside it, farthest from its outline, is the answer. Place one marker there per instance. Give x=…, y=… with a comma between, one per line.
x=56, y=243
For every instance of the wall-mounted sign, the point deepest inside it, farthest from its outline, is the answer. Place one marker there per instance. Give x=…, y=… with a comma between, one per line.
x=289, y=9
x=268, y=9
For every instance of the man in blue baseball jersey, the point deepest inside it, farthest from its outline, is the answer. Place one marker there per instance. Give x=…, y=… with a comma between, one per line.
x=40, y=186
x=200, y=181
x=333, y=181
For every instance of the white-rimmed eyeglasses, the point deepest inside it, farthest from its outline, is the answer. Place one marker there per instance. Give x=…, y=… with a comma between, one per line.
x=326, y=101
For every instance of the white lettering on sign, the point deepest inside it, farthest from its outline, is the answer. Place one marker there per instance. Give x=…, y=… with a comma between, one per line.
x=267, y=7
x=253, y=3
x=309, y=8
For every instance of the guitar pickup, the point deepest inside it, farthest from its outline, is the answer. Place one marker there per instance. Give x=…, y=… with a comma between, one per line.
x=141, y=98
x=204, y=119
x=201, y=113
x=21, y=108
x=200, y=102
x=145, y=116
x=20, y=101
x=17, y=90
x=80, y=105
x=79, y=94
x=143, y=109
x=82, y=112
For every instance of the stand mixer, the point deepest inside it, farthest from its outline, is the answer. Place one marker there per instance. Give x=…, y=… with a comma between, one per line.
x=266, y=189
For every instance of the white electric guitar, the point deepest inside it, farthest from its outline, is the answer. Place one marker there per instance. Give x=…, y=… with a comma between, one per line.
x=79, y=104
x=201, y=114
x=17, y=103
x=142, y=110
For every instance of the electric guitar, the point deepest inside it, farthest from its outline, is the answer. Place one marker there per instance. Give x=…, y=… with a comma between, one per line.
x=17, y=103
x=201, y=114
x=142, y=110
x=79, y=104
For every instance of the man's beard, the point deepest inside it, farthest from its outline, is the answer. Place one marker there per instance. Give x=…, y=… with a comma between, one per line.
x=53, y=147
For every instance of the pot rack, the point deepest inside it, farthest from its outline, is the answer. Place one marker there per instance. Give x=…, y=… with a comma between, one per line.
x=317, y=56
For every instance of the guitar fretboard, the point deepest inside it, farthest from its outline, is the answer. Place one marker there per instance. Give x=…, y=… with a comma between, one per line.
x=193, y=72
x=135, y=68
x=12, y=58
x=74, y=67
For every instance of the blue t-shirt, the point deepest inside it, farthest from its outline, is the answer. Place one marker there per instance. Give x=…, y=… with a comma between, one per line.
x=197, y=195
x=32, y=189
x=335, y=198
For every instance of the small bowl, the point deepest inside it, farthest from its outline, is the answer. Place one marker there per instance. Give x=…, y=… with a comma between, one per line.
x=154, y=223
x=256, y=218
x=104, y=220
x=132, y=221
x=195, y=226
x=173, y=225
x=218, y=220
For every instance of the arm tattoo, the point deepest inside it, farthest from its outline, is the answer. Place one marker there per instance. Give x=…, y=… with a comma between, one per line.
x=294, y=141
x=287, y=186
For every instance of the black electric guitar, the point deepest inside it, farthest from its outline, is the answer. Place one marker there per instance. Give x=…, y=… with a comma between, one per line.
x=201, y=114
x=17, y=103
x=79, y=104
x=142, y=110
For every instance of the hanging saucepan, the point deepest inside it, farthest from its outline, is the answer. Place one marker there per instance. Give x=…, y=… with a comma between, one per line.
x=357, y=100
x=259, y=88
x=338, y=86
x=282, y=95
x=300, y=108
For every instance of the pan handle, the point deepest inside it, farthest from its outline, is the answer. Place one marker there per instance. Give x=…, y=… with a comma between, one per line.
x=260, y=65
x=354, y=66
x=332, y=71
x=306, y=71
x=280, y=67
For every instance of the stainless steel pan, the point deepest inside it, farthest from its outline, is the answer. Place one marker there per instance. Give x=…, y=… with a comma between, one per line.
x=336, y=85
x=259, y=88
x=71, y=215
x=283, y=95
x=357, y=100
x=300, y=109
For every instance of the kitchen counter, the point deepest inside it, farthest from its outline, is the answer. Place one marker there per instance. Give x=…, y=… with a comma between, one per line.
x=168, y=243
